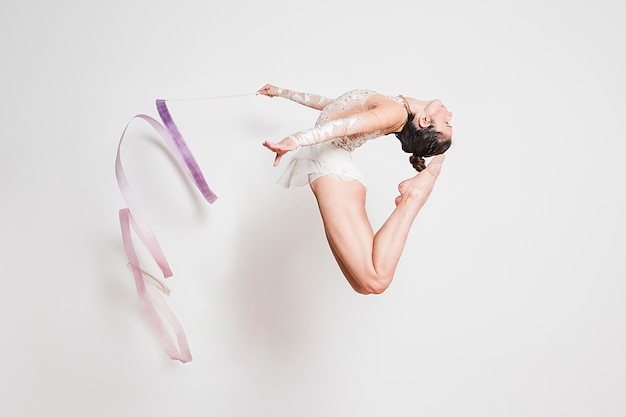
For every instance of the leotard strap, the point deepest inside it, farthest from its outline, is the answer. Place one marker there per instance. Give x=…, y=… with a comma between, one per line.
x=405, y=104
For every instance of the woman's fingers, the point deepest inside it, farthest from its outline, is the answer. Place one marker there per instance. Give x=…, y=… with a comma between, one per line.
x=275, y=147
x=268, y=90
x=270, y=145
x=278, y=147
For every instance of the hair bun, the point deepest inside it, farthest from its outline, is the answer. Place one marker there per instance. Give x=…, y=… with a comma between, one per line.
x=417, y=162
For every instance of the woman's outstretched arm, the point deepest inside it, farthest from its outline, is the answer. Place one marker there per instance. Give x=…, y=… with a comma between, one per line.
x=379, y=119
x=315, y=101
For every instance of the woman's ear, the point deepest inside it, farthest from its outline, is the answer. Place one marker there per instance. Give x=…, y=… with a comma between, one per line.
x=424, y=121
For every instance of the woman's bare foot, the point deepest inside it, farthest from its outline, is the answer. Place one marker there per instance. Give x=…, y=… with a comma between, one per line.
x=419, y=187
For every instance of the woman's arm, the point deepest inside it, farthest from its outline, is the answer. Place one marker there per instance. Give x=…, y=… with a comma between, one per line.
x=314, y=101
x=383, y=118
x=366, y=122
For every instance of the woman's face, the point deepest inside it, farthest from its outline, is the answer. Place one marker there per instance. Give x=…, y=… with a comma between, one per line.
x=439, y=117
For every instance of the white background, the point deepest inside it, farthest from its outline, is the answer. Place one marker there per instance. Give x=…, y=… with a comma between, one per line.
x=510, y=296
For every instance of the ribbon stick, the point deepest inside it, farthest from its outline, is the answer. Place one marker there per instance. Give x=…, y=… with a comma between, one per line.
x=132, y=218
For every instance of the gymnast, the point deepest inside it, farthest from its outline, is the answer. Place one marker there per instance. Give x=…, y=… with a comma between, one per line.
x=324, y=161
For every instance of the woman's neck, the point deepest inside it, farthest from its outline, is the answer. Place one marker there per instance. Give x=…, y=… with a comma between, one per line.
x=416, y=107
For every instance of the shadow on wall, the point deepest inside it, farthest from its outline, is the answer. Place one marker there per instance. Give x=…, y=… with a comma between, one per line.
x=281, y=275
x=281, y=259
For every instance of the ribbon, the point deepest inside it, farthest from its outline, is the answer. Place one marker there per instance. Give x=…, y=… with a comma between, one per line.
x=150, y=288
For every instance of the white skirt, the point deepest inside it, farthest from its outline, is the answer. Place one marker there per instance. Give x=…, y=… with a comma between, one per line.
x=311, y=162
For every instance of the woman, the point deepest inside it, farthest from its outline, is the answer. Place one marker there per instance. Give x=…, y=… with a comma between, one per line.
x=367, y=260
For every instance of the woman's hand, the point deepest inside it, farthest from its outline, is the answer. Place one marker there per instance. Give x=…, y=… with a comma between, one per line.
x=281, y=148
x=268, y=90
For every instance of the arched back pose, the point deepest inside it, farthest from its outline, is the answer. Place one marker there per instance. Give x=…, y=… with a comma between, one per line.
x=324, y=160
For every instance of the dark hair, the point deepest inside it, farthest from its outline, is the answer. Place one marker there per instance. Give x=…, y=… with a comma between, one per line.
x=422, y=143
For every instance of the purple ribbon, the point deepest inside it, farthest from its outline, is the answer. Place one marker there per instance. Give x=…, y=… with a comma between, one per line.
x=185, y=153
x=148, y=287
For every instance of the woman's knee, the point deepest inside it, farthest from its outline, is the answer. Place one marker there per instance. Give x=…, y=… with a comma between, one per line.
x=375, y=284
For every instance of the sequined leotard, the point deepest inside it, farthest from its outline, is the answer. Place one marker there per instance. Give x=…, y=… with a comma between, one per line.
x=333, y=157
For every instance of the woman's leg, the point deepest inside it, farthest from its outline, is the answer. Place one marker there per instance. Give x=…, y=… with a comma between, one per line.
x=369, y=260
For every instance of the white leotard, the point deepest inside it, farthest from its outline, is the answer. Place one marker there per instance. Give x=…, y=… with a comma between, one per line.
x=333, y=157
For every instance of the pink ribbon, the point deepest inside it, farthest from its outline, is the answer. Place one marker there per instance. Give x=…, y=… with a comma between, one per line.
x=150, y=290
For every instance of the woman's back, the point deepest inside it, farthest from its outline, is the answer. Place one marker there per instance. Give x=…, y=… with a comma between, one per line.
x=388, y=110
